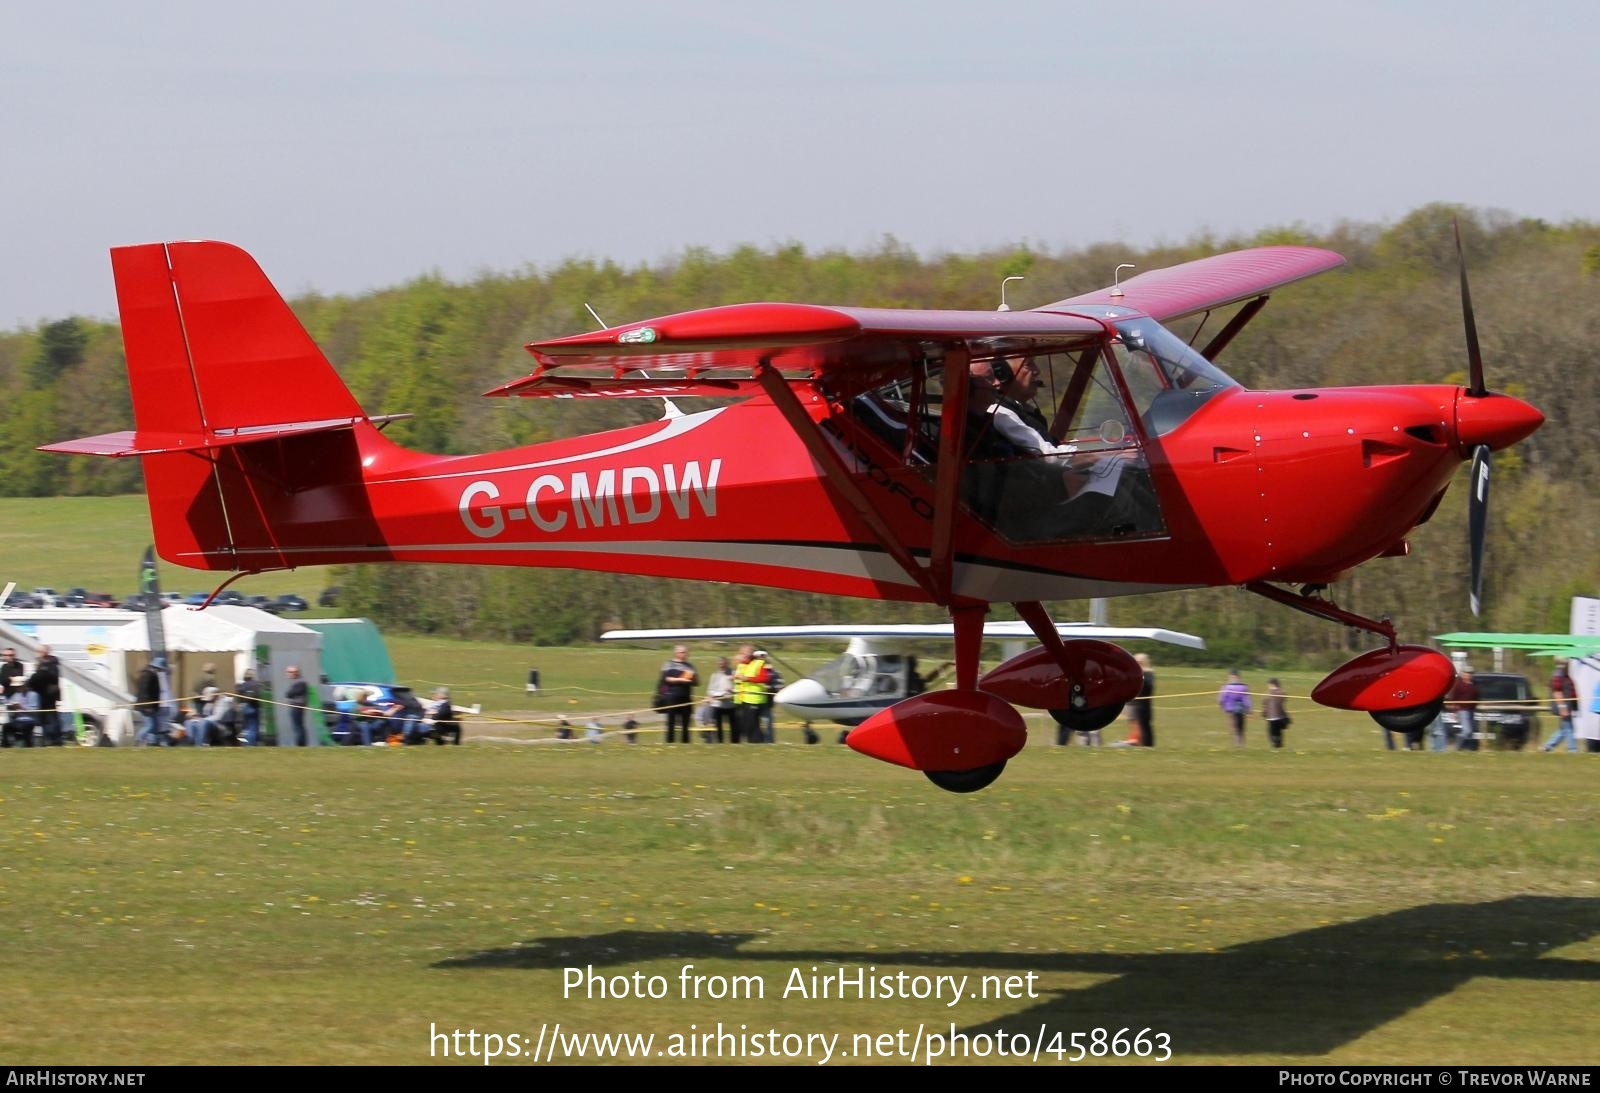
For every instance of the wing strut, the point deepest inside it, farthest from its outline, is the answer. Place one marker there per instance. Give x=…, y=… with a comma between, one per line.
x=1217, y=344
x=952, y=422
x=777, y=389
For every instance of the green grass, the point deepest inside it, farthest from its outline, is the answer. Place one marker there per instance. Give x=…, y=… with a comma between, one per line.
x=1331, y=903
x=98, y=542
x=1328, y=903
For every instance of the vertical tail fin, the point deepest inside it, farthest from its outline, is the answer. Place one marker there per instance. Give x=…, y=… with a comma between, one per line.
x=228, y=389
x=203, y=315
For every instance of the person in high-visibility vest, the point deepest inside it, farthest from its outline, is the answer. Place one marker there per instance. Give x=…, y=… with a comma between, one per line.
x=750, y=678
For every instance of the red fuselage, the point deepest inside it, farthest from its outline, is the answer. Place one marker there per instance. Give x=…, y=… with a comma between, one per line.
x=1282, y=486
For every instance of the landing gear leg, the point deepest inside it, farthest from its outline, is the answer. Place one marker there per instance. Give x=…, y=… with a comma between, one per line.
x=969, y=646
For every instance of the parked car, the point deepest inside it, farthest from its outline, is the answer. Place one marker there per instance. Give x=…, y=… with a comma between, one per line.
x=1507, y=715
x=290, y=602
x=365, y=703
x=330, y=596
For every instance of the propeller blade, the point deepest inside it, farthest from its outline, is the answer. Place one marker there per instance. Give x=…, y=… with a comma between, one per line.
x=1474, y=357
x=1478, y=520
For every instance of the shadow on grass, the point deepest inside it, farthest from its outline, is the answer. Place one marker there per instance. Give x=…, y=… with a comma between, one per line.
x=1305, y=993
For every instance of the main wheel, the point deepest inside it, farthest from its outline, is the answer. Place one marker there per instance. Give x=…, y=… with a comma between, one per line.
x=1409, y=719
x=966, y=781
x=1088, y=719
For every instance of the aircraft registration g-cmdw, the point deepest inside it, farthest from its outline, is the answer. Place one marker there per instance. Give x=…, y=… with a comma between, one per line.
x=960, y=458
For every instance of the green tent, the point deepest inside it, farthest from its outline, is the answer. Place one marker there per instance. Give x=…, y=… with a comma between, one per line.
x=353, y=650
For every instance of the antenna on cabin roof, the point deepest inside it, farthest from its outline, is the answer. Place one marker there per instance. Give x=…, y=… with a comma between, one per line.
x=1003, y=305
x=668, y=408
x=1116, y=278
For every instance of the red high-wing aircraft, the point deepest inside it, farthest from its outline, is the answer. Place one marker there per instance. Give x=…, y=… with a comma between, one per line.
x=868, y=454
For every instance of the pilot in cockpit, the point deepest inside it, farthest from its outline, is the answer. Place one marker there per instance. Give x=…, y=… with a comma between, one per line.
x=1004, y=394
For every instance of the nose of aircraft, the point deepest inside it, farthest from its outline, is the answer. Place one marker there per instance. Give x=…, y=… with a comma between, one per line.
x=1493, y=419
x=801, y=697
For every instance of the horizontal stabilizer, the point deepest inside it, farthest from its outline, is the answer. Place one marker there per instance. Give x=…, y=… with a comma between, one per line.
x=146, y=442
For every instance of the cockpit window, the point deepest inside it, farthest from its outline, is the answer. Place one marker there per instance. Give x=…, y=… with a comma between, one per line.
x=863, y=676
x=1055, y=457
x=1168, y=380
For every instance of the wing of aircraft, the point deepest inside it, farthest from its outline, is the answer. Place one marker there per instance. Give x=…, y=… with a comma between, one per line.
x=875, y=671
x=715, y=351
x=907, y=632
x=1576, y=645
x=1208, y=283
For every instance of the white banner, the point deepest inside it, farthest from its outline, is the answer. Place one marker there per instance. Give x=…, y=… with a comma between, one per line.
x=1585, y=671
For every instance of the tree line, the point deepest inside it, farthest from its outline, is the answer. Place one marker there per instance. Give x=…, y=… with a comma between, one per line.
x=430, y=348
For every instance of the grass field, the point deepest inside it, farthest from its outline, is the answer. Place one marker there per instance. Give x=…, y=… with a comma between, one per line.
x=1330, y=902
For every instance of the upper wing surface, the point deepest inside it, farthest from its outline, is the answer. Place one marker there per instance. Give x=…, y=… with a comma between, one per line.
x=715, y=351
x=1206, y=283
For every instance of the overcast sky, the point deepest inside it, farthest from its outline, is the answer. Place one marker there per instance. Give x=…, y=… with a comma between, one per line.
x=354, y=145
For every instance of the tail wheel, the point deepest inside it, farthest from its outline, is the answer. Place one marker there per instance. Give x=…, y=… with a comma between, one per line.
x=966, y=781
x=1409, y=719
x=1088, y=719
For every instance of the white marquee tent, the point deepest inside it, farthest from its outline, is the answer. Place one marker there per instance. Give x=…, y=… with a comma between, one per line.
x=233, y=639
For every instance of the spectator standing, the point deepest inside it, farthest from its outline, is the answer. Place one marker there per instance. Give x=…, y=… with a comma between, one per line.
x=1463, y=702
x=1564, y=705
x=46, y=683
x=1234, y=698
x=1142, y=709
x=719, y=692
x=750, y=678
x=677, y=691
x=147, y=695
x=12, y=673
x=298, y=698
x=769, y=706
x=1274, y=708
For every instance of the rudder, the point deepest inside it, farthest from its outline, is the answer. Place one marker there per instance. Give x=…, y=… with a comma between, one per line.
x=224, y=381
